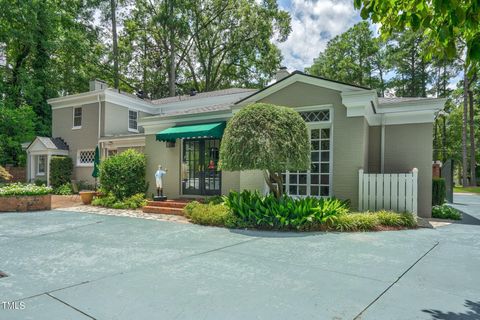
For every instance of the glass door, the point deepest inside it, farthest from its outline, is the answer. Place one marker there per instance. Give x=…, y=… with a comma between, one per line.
x=200, y=174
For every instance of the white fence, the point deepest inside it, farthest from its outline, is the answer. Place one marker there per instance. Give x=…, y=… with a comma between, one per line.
x=394, y=191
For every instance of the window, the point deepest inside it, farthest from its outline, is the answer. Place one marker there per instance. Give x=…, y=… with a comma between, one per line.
x=41, y=165
x=315, y=182
x=77, y=118
x=132, y=120
x=85, y=158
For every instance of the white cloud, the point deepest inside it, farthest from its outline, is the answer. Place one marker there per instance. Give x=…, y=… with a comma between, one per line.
x=314, y=22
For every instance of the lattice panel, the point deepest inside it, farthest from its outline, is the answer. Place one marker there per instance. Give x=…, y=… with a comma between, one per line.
x=86, y=157
x=315, y=116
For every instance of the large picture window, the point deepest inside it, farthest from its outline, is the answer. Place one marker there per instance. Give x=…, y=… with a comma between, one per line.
x=315, y=182
x=77, y=117
x=132, y=120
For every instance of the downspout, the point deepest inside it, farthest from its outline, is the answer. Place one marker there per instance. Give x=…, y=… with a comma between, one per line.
x=99, y=115
x=382, y=146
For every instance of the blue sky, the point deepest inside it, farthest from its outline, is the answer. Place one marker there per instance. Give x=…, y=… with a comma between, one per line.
x=314, y=22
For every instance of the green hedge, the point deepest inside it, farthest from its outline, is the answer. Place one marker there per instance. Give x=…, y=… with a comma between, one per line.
x=439, y=191
x=123, y=175
x=61, y=169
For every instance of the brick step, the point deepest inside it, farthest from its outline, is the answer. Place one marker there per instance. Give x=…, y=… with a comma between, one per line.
x=167, y=204
x=163, y=210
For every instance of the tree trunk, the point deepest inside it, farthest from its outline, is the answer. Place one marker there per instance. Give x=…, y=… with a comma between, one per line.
x=113, y=9
x=275, y=183
x=473, y=162
x=172, y=67
x=464, y=130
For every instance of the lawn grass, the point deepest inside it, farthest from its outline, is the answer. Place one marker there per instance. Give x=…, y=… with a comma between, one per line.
x=466, y=189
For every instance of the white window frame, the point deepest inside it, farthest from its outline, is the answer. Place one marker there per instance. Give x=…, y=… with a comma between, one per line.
x=316, y=125
x=41, y=173
x=79, y=164
x=74, y=127
x=128, y=121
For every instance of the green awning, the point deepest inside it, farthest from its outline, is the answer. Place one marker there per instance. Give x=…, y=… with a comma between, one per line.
x=203, y=130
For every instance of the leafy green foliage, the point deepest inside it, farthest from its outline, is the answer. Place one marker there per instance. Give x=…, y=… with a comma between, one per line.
x=443, y=22
x=63, y=190
x=446, y=212
x=284, y=213
x=123, y=175
x=61, y=169
x=19, y=189
x=439, y=191
x=110, y=201
x=263, y=136
x=211, y=214
x=370, y=221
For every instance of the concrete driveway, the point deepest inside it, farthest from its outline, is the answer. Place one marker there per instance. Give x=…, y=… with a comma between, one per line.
x=67, y=265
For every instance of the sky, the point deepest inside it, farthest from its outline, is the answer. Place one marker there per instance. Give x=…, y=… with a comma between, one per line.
x=314, y=22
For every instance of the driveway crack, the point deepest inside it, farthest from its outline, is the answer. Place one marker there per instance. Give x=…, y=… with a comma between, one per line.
x=70, y=306
x=358, y=316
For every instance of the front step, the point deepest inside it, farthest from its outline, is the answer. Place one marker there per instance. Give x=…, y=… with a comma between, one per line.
x=168, y=204
x=163, y=210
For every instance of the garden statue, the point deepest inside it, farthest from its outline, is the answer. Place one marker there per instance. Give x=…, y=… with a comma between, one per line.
x=159, y=182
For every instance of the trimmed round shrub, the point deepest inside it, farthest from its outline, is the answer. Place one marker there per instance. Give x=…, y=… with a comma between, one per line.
x=266, y=137
x=61, y=169
x=123, y=175
x=439, y=191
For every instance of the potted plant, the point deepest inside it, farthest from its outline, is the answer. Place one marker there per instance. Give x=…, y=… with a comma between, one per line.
x=87, y=196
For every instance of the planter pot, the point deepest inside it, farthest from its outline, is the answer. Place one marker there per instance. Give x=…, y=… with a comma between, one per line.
x=87, y=196
x=25, y=203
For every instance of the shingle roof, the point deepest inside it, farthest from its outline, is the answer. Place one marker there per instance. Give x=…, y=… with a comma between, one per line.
x=218, y=107
x=54, y=143
x=201, y=95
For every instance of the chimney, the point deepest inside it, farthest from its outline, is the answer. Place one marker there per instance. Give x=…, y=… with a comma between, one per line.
x=97, y=85
x=281, y=73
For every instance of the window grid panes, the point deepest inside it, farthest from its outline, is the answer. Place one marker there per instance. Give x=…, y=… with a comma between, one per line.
x=316, y=181
x=132, y=120
x=77, y=117
x=315, y=116
x=42, y=161
x=86, y=157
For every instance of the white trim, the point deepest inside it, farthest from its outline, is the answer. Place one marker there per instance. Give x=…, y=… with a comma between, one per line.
x=128, y=120
x=78, y=164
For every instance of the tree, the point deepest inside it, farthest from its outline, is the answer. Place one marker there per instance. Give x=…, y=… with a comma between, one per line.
x=442, y=22
x=266, y=137
x=354, y=57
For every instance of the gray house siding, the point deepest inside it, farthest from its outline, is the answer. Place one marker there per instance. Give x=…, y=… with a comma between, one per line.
x=349, y=145
x=407, y=147
x=77, y=139
x=116, y=122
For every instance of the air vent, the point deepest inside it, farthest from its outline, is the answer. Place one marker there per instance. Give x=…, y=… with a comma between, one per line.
x=3, y=274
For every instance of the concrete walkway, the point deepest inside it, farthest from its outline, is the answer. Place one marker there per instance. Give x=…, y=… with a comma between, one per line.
x=68, y=265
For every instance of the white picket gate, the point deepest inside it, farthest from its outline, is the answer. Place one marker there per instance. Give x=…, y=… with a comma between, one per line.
x=392, y=191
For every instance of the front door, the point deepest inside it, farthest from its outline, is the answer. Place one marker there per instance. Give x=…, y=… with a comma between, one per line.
x=200, y=174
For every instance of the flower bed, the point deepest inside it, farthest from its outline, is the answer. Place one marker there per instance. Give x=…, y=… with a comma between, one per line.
x=29, y=197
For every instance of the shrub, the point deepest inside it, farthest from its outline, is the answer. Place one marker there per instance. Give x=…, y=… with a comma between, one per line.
x=284, y=213
x=61, y=169
x=123, y=175
x=214, y=199
x=40, y=182
x=211, y=214
x=110, y=201
x=438, y=191
x=369, y=221
x=18, y=189
x=64, y=190
x=446, y=212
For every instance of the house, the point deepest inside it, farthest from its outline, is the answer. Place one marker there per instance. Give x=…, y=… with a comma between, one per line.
x=350, y=128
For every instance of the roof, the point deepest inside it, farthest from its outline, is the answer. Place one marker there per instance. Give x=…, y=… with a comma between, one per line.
x=202, y=95
x=51, y=143
x=382, y=100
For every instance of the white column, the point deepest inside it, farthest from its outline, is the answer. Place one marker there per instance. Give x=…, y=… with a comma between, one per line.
x=48, y=169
